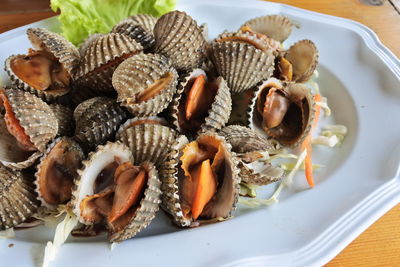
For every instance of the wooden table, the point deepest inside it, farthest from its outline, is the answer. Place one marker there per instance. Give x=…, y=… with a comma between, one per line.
x=380, y=244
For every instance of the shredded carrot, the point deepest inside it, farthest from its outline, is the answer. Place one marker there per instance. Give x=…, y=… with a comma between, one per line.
x=308, y=146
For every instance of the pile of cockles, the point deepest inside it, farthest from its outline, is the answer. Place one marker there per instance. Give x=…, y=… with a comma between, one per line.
x=152, y=114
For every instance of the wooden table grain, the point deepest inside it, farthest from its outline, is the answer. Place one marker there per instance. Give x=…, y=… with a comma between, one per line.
x=379, y=245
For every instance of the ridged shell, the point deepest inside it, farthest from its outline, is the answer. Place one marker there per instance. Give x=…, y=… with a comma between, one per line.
x=87, y=42
x=179, y=38
x=139, y=120
x=250, y=38
x=219, y=112
x=145, y=20
x=98, y=121
x=67, y=54
x=80, y=93
x=241, y=65
x=243, y=140
x=135, y=31
x=148, y=142
x=269, y=174
x=17, y=198
x=73, y=146
x=135, y=75
x=64, y=118
x=303, y=56
x=34, y=115
x=274, y=26
x=46, y=95
x=11, y=155
x=148, y=207
x=96, y=161
x=241, y=103
x=169, y=177
x=294, y=90
x=102, y=57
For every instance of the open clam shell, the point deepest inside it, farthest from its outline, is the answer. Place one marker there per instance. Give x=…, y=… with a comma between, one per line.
x=52, y=52
x=241, y=65
x=57, y=170
x=61, y=48
x=274, y=26
x=146, y=212
x=303, y=56
x=11, y=155
x=64, y=118
x=97, y=121
x=247, y=144
x=99, y=179
x=179, y=38
x=85, y=184
x=17, y=198
x=145, y=84
x=32, y=114
x=216, y=109
x=102, y=57
x=293, y=121
x=148, y=142
x=137, y=32
x=177, y=197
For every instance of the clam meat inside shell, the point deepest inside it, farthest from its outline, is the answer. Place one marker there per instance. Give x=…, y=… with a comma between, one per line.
x=196, y=101
x=205, y=182
x=42, y=71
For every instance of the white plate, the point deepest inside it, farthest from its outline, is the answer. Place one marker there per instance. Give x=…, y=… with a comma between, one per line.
x=360, y=183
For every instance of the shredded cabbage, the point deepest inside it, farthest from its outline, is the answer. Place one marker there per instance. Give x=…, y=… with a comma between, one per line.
x=253, y=203
x=330, y=141
x=324, y=105
x=63, y=230
x=8, y=233
x=291, y=166
x=248, y=190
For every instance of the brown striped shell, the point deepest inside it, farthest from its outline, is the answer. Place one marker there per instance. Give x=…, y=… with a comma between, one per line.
x=145, y=20
x=241, y=65
x=241, y=102
x=88, y=42
x=303, y=56
x=137, y=75
x=57, y=170
x=137, y=32
x=64, y=118
x=170, y=174
x=274, y=26
x=148, y=207
x=248, y=146
x=102, y=57
x=140, y=120
x=179, y=38
x=62, y=50
x=11, y=155
x=97, y=121
x=87, y=185
x=34, y=116
x=218, y=113
x=17, y=198
x=148, y=142
x=298, y=118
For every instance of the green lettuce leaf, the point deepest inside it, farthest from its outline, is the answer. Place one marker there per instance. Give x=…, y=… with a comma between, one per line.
x=81, y=18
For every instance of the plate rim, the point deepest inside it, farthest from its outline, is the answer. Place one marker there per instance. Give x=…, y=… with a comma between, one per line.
x=327, y=245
